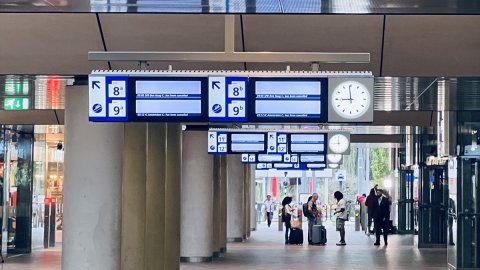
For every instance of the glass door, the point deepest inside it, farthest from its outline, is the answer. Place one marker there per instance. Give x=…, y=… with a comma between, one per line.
x=405, y=203
x=468, y=231
x=433, y=207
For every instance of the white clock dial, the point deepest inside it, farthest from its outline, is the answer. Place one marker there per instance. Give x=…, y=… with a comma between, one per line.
x=351, y=99
x=338, y=143
x=334, y=158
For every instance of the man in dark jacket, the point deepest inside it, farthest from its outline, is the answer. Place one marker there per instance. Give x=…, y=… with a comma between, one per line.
x=381, y=216
x=369, y=203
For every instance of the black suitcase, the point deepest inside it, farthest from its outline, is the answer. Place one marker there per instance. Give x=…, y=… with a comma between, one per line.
x=319, y=235
x=296, y=237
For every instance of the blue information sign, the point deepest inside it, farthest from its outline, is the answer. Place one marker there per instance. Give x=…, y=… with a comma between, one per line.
x=227, y=98
x=108, y=98
x=269, y=158
x=290, y=166
x=217, y=142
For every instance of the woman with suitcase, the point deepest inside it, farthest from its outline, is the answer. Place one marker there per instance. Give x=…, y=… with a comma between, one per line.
x=287, y=213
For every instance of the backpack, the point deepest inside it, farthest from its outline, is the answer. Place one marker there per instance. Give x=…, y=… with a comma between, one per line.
x=305, y=210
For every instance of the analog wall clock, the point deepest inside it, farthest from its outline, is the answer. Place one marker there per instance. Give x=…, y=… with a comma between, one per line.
x=338, y=143
x=350, y=99
x=334, y=158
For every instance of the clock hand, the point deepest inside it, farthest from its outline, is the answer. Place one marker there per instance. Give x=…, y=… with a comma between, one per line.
x=350, y=91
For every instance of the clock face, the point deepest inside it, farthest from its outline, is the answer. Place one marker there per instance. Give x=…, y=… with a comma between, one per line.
x=334, y=158
x=350, y=99
x=338, y=143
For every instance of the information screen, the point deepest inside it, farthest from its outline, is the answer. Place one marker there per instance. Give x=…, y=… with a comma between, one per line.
x=288, y=99
x=168, y=99
x=312, y=158
x=316, y=166
x=247, y=143
x=313, y=143
x=270, y=158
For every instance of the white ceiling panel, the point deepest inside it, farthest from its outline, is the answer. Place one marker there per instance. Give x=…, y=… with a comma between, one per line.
x=314, y=33
x=432, y=46
x=44, y=43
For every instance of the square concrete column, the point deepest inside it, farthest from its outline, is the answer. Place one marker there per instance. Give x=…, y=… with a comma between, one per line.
x=93, y=188
x=235, y=202
x=246, y=191
x=253, y=214
x=216, y=207
x=223, y=204
x=133, y=196
x=173, y=179
x=155, y=196
x=197, y=199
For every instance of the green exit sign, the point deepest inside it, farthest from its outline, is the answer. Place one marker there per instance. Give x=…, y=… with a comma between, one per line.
x=16, y=104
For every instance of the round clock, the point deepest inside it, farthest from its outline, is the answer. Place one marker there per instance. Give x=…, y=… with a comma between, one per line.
x=334, y=158
x=350, y=99
x=333, y=165
x=338, y=143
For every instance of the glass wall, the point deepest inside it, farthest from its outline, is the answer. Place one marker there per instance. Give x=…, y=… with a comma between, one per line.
x=31, y=171
x=17, y=157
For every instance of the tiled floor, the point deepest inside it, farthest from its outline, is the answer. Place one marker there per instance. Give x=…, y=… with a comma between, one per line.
x=265, y=250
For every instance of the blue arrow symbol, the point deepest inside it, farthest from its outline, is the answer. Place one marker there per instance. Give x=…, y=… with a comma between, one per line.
x=95, y=84
x=215, y=84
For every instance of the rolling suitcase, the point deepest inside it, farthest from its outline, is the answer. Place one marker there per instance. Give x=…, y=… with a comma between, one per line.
x=296, y=237
x=319, y=235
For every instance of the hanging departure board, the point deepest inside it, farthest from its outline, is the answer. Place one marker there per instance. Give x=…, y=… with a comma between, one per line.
x=288, y=100
x=168, y=99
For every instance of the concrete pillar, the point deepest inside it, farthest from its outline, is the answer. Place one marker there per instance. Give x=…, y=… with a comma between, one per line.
x=223, y=204
x=92, y=191
x=197, y=199
x=253, y=214
x=133, y=197
x=246, y=199
x=235, y=203
x=155, y=196
x=173, y=165
x=216, y=207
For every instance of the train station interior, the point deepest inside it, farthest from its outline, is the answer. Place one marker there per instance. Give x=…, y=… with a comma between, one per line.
x=190, y=134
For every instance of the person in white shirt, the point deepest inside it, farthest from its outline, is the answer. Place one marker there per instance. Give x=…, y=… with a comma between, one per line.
x=269, y=209
x=341, y=213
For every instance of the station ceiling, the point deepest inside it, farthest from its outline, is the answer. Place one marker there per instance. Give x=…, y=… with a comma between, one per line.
x=416, y=47
x=248, y=6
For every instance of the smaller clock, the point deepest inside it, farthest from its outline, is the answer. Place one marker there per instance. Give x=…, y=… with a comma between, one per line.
x=334, y=158
x=350, y=100
x=338, y=143
x=333, y=165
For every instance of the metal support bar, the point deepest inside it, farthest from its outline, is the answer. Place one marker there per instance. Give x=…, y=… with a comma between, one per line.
x=229, y=33
x=253, y=57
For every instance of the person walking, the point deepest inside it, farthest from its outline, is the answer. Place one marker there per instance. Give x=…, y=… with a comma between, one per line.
x=452, y=215
x=369, y=202
x=312, y=215
x=287, y=213
x=381, y=216
x=341, y=214
x=269, y=209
